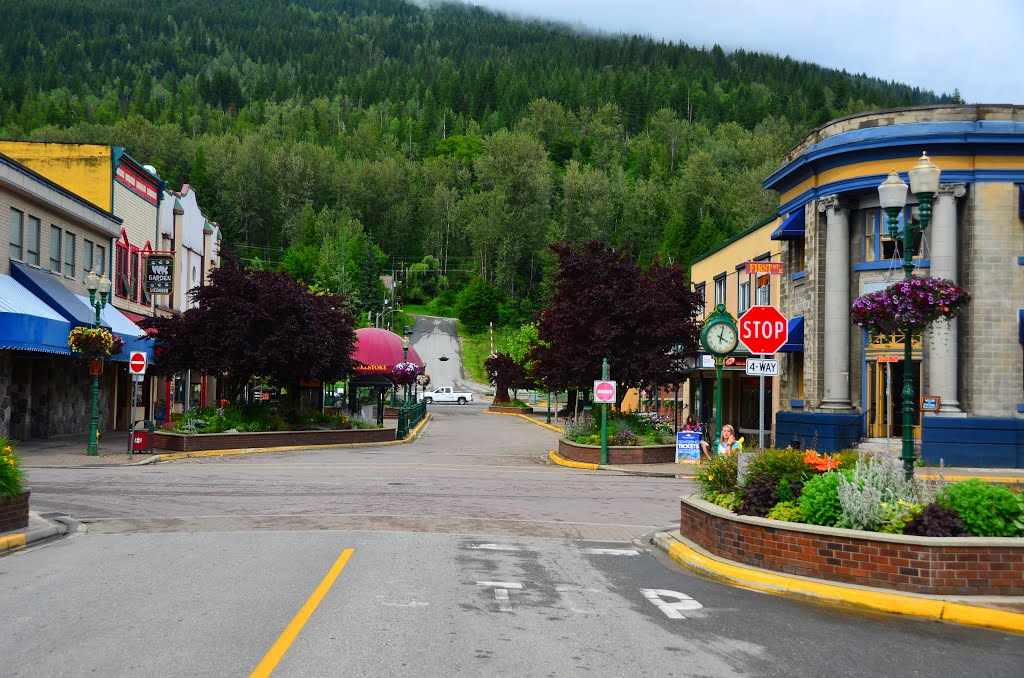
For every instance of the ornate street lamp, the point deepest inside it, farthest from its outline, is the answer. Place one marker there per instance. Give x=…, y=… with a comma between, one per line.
x=892, y=195
x=94, y=283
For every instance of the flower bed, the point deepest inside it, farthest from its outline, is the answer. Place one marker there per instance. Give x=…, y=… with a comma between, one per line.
x=13, y=493
x=930, y=565
x=182, y=442
x=508, y=408
x=624, y=454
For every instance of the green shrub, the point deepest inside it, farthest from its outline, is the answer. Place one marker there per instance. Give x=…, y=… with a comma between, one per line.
x=760, y=494
x=788, y=511
x=873, y=482
x=819, y=499
x=730, y=500
x=718, y=474
x=987, y=510
x=12, y=476
x=780, y=465
x=896, y=515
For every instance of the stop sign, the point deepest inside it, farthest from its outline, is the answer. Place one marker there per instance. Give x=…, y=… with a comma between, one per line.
x=137, y=363
x=763, y=330
x=604, y=391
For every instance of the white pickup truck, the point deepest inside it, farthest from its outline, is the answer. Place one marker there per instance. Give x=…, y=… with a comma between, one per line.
x=445, y=394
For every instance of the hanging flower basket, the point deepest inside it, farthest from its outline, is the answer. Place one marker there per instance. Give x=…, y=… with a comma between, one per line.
x=96, y=366
x=404, y=373
x=911, y=304
x=423, y=380
x=94, y=342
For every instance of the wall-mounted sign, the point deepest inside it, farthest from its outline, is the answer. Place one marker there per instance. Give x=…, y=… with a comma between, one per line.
x=769, y=267
x=887, y=359
x=930, y=403
x=159, y=273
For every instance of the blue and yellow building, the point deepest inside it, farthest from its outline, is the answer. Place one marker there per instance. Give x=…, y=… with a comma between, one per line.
x=844, y=386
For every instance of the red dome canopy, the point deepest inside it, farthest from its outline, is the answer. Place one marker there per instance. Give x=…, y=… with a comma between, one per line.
x=380, y=350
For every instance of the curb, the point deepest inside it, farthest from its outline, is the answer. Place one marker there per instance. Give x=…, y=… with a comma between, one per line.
x=257, y=450
x=1000, y=480
x=19, y=540
x=896, y=603
x=527, y=418
x=562, y=461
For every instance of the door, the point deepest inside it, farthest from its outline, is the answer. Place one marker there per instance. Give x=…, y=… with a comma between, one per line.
x=885, y=394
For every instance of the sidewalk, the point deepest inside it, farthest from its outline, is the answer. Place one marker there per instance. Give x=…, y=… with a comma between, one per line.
x=69, y=451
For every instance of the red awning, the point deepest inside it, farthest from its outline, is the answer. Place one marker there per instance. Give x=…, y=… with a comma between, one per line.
x=136, y=318
x=380, y=350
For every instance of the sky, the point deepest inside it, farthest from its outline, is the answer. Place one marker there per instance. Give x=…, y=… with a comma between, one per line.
x=939, y=45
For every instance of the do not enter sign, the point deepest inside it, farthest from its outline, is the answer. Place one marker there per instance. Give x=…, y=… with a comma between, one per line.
x=763, y=330
x=137, y=363
x=604, y=391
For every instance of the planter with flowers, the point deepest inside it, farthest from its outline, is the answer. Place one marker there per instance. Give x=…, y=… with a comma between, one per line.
x=912, y=304
x=404, y=373
x=95, y=344
x=13, y=493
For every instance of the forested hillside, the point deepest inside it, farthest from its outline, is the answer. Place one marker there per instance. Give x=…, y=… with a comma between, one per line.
x=316, y=131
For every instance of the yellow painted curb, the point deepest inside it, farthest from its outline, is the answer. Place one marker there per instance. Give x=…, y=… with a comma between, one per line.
x=529, y=419
x=1003, y=480
x=257, y=450
x=895, y=603
x=562, y=461
x=11, y=542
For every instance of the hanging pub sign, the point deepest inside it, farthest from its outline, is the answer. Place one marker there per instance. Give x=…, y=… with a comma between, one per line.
x=159, y=273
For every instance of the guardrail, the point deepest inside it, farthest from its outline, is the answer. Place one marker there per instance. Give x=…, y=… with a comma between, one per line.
x=408, y=417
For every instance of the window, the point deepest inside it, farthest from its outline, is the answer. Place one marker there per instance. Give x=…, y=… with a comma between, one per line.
x=701, y=291
x=123, y=272
x=720, y=289
x=100, y=260
x=34, y=229
x=135, y=274
x=17, y=234
x=86, y=256
x=797, y=255
x=763, y=290
x=878, y=243
x=55, y=240
x=69, y=254
x=742, y=293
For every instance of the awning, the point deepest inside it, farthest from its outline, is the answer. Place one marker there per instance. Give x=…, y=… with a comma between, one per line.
x=792, y=227
x=135, y=338
x=795, y=342
x=379, y=350
x=27, y=323
x=48, y=287
x=1020, y=324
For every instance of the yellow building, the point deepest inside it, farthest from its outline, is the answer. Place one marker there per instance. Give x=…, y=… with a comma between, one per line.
x=721, y=277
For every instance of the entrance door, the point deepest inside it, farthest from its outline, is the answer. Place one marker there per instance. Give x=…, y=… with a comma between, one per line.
x=885, y=394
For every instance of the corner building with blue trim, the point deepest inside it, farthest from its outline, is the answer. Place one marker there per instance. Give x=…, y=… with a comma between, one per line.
x=844, y=388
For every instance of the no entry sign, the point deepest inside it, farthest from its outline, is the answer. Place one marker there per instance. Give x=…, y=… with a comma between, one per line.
x=604, y=391
x=763, y=330
x=137, y=363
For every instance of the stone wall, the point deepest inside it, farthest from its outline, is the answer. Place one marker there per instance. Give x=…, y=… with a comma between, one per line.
x=177, y=442
x=42, y=396
x=591, y=454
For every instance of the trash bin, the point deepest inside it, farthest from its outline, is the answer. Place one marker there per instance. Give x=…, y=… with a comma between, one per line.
x=142, y=438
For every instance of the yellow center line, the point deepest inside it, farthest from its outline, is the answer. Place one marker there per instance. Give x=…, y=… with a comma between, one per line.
x=284, y=641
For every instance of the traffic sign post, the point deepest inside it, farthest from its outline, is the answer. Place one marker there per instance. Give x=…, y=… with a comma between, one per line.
x=137, y=363
x=604, y=393
x=763, y=330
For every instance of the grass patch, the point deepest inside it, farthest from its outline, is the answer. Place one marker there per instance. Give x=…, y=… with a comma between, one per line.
x=476, y=349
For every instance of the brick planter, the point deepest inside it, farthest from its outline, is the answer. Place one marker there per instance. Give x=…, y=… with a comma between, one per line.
x=930, y=565
x=14, y=512
x=591, y=454
x=510, y=410
x=200, y=442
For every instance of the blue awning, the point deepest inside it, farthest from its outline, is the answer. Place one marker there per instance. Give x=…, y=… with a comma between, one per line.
x=795, y=342
x=48, y=287
x=1020, y=324
x=792, y=227
x=135, y=338
x=27, y=323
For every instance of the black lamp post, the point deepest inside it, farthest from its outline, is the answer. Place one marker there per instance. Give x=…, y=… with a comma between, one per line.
x=892, y=195
x=93, y=283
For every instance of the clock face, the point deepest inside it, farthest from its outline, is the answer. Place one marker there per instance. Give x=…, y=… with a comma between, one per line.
x=720, y=338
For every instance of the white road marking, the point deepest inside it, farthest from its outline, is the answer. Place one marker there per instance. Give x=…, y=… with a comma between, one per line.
x=611, y=552
x=573, y=588
x=494, y=547
x=501, y=592
x=671, y=610
x=412, y=603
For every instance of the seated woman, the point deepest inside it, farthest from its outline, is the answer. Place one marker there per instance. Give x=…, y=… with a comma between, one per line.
x=691, y=424
x=727, y=442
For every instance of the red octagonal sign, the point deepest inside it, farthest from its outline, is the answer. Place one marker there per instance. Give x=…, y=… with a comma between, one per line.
x=137, y=362
x=763, y=330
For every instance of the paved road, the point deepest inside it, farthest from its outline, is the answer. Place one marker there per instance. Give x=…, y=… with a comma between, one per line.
x=469, y=556
x=434, y=338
